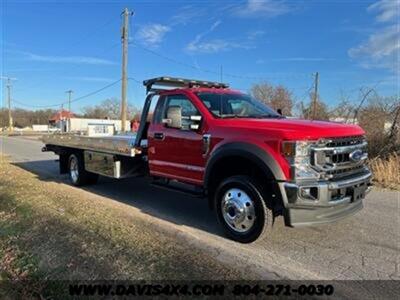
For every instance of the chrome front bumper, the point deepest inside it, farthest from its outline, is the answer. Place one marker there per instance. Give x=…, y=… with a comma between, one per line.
x=323, y=202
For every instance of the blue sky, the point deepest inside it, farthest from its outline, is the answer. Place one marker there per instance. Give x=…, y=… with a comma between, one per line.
x=52, y=47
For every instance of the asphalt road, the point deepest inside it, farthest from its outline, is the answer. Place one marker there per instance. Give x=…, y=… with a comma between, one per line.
x=364, y=246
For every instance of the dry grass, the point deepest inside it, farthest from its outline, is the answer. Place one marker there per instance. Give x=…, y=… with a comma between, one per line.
x=49, y=231
x=387, y=171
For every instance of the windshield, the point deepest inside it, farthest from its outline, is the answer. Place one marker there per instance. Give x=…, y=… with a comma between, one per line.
x=236, y=106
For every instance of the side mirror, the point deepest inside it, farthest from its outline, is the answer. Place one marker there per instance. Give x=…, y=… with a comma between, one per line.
x=174, y=117
x=279, y=111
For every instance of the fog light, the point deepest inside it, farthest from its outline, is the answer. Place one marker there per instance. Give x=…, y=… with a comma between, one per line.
x=309, y=193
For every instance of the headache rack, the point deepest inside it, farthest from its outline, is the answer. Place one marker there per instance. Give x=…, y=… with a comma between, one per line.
x=179, y=83
x=170, y=82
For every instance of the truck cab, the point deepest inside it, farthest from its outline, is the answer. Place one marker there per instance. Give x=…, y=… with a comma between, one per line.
x=252, y=163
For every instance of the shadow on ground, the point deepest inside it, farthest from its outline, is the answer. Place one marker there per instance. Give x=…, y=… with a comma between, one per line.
x=175, y=207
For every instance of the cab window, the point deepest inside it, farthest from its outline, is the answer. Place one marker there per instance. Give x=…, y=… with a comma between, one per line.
x=158, y=111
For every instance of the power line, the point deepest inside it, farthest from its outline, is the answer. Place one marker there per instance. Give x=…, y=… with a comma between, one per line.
x=93, y=32
x=135, y=80
x=90, y=34
x=70, y=67
x=214, y=72
x=74, y=100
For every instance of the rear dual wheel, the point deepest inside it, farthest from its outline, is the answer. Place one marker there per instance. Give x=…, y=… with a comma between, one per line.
x=242, y=210
x=77, y=173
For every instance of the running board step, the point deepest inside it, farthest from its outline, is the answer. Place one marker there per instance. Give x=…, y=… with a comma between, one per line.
x=179, y=187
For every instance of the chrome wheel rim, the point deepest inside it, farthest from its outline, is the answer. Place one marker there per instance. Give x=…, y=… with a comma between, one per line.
x=238, y=210
x=73, y=169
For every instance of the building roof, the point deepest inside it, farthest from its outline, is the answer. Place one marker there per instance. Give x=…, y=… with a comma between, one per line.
x=61, y=115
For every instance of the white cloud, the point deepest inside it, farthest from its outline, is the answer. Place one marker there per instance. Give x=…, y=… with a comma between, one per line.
x=153, y=34
x=188, y=14
x=200, y=36
x=266, y=8
x=253, y=35
x=382, y=49
x=294, y=59
x=91, y=79
x=381, y=44
x=389, y=10
x=214, y=46
x=210, y=46
x=68, y=59
x=301, y=59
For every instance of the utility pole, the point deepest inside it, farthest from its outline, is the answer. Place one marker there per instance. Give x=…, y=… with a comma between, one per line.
x=60, y=116
x=315, y=98
x=69, y=99
x=124, y=85
x=8, y=85
x=10, y=120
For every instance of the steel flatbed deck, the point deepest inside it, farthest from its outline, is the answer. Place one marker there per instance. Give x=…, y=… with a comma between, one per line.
x=116, y=144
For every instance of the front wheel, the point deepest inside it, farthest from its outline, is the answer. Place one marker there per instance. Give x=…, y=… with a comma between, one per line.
x=242, y=210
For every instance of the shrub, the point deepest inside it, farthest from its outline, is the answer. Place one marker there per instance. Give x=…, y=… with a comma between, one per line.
x=386, y=172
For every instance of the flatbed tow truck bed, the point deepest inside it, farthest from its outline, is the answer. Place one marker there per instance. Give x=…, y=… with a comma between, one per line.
x=116, y=144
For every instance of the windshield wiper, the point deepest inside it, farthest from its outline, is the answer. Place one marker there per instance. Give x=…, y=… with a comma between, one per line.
x=230, y=116
x=266, y=116
x=251, y=116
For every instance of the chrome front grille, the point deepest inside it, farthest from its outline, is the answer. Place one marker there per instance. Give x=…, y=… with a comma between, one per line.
x=345, y=172
x=346, y=141
x=339, y=157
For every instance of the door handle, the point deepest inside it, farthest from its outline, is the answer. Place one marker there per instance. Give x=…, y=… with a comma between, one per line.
x=158, y=135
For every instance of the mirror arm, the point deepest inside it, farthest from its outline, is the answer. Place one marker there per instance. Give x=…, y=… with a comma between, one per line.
x=166, y=121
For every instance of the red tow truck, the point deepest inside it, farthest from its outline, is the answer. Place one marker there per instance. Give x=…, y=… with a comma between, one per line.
x=252, y=163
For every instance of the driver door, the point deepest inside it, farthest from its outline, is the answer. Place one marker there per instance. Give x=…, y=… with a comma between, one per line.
x=176, y=153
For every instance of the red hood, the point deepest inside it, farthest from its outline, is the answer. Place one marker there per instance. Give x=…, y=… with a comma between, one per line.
x=295, y=128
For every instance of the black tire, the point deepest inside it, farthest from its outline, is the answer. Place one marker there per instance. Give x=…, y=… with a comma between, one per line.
x=262, y=215
x=77, y=173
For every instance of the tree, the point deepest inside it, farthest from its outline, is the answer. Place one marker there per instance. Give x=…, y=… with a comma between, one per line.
x=344, y=110
x=108, y=108
x=321, y=109
x=379, y=119
x=277, y=97
x=24, y=117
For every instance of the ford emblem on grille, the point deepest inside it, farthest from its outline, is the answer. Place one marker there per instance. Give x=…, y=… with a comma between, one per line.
x=356, y=155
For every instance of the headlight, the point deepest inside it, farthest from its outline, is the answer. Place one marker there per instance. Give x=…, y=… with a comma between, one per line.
x=298, y=155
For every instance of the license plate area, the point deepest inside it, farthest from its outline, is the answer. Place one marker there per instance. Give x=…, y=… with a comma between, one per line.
x=357, y=192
